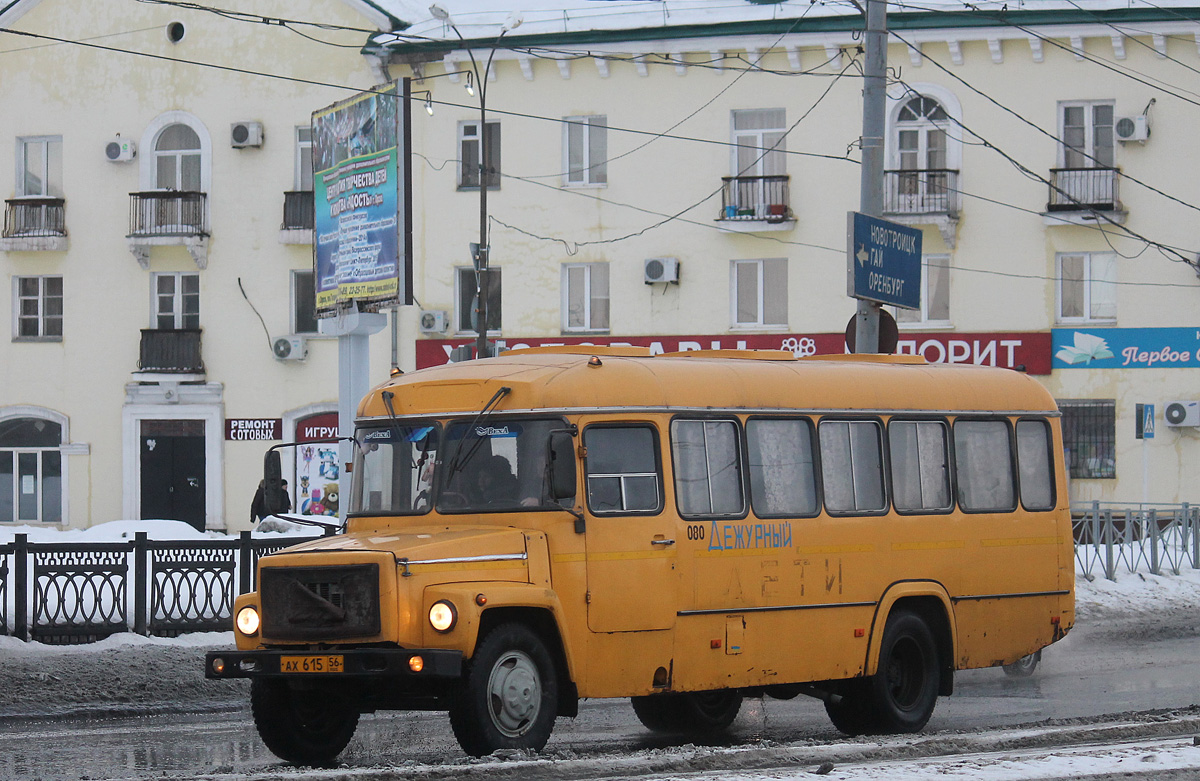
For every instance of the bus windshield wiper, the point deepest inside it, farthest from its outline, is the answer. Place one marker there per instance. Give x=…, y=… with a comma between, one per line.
x=456, y=463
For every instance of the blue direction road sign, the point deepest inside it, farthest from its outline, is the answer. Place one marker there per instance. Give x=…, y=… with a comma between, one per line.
x=884, y=261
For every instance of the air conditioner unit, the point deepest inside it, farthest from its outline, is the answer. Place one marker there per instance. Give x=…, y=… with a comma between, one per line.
x=245, y=134
x=433, y=321
x=290, y=348
x=661, y=270
x=1132, y=128
x=1182, y=413
x=120, y=151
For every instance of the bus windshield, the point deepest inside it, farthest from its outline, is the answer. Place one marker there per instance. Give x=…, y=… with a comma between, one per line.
x=496, y=465
x=393, y=470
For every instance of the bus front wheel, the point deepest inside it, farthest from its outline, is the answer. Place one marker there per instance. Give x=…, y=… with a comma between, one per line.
x=904, y=690
x=508, y=697
x=693, y=713
x=304, y=727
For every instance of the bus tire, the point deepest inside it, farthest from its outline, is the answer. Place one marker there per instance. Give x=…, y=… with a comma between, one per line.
x=1023, y=667
x=850, y=711
x=903, y=691
x=694, y=713
x=301, y=727
x=508, y=697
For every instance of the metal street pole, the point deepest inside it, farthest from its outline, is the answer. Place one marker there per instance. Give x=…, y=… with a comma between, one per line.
x=871, y=182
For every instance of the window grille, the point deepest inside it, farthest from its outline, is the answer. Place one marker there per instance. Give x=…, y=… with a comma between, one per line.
x=1089, y=437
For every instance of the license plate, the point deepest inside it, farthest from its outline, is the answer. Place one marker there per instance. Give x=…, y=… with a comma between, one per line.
x=311, y=664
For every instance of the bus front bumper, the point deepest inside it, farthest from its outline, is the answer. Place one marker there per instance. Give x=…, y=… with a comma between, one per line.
x=410, y=663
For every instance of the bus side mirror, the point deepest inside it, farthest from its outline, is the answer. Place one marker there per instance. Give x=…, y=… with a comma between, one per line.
x=273, y=496
x=562, y=465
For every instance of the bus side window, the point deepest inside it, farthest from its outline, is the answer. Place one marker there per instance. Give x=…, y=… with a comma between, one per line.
x=852, y=466
x=783, y=479
x=919, y=451
x=1036, y=468
x=708, y=467
x=984, y=464
x=622, y=470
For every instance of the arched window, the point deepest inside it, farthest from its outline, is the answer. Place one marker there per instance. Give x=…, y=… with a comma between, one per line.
x=924, y=181
x=31, y=470
x=177, y=157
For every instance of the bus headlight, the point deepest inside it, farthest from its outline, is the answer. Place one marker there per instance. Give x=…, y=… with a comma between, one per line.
x=248, y=621
x=443, y=616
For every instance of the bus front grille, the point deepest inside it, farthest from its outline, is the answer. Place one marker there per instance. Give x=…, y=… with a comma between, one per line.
x=320, y=603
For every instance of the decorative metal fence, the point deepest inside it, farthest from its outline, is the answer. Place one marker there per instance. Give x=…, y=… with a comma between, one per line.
x=63, y=593
x=1160, y=540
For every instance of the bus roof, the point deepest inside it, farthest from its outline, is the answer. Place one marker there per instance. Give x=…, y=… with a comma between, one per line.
x=596, y=378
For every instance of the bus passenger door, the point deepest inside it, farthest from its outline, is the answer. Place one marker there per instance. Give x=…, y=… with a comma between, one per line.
x=630, y=539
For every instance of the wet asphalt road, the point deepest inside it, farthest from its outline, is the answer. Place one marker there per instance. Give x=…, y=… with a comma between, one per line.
x=1082, y=677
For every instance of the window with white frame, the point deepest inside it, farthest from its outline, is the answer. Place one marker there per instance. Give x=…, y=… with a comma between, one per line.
x=1086, y=130
x=759, y=292
x=468, y=155
x=304, y=303
x=176, y=300
x=586, y=148
x=935, y=294
x=304, y=159
x=1087, y=287
x=758, y=137
x=39, y=167
x=466, y=282
x=38, y=309
x=585, y=297
x=31, y=471
x=177, y=159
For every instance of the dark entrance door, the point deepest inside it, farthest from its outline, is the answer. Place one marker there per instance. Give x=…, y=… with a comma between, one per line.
x=173, y=470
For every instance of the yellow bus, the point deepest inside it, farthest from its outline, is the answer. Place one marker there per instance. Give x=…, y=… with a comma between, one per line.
x=684, y=530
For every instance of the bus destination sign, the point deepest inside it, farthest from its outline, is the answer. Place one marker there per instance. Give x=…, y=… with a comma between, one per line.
x=884, y=262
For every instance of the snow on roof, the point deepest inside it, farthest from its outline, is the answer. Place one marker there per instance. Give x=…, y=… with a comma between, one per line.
x=481, y=19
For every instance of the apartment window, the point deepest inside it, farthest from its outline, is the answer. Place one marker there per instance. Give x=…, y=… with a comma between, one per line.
x=585, y=297
x=587, y=150
x=39, y=167
x=38, y=309
x=465, y=281
x=1087, y=287
x=176, y=300
x=31, y=471
x=759, y=293
x=304, y=159
x=177, y=159
x=921, y=135
x=1089, y=430
x=935, y=294
x=758, y=137
x=1087, y=134
x=468, y=155
x=304, y=303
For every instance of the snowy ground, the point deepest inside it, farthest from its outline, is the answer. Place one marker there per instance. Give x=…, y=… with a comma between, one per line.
x=129, y=674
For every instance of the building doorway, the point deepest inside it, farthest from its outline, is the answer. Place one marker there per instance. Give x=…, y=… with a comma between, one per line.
x=173, y=470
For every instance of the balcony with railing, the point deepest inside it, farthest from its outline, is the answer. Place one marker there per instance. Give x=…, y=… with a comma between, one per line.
x=1084, y=190
x=930, y=191
x=168, y=217
x=170, y=351
x=34, y=223
x=755, y=202
x=298, y=218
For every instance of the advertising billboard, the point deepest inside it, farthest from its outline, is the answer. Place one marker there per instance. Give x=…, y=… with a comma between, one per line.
x=358, y=176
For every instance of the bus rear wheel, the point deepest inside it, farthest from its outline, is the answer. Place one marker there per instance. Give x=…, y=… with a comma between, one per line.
x=693, y=713
x=1023, y=667
x=508, y=697
x=304, y=727
x=904, y=690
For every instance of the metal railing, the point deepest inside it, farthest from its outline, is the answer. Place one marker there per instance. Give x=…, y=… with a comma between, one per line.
x=1161, y=539
x=931, y=191
x=1084, y=189
x=170, y=350
x=34, y=217
x=64, y=593
x=167, y=213
x=755, y=198
x=299, y=212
